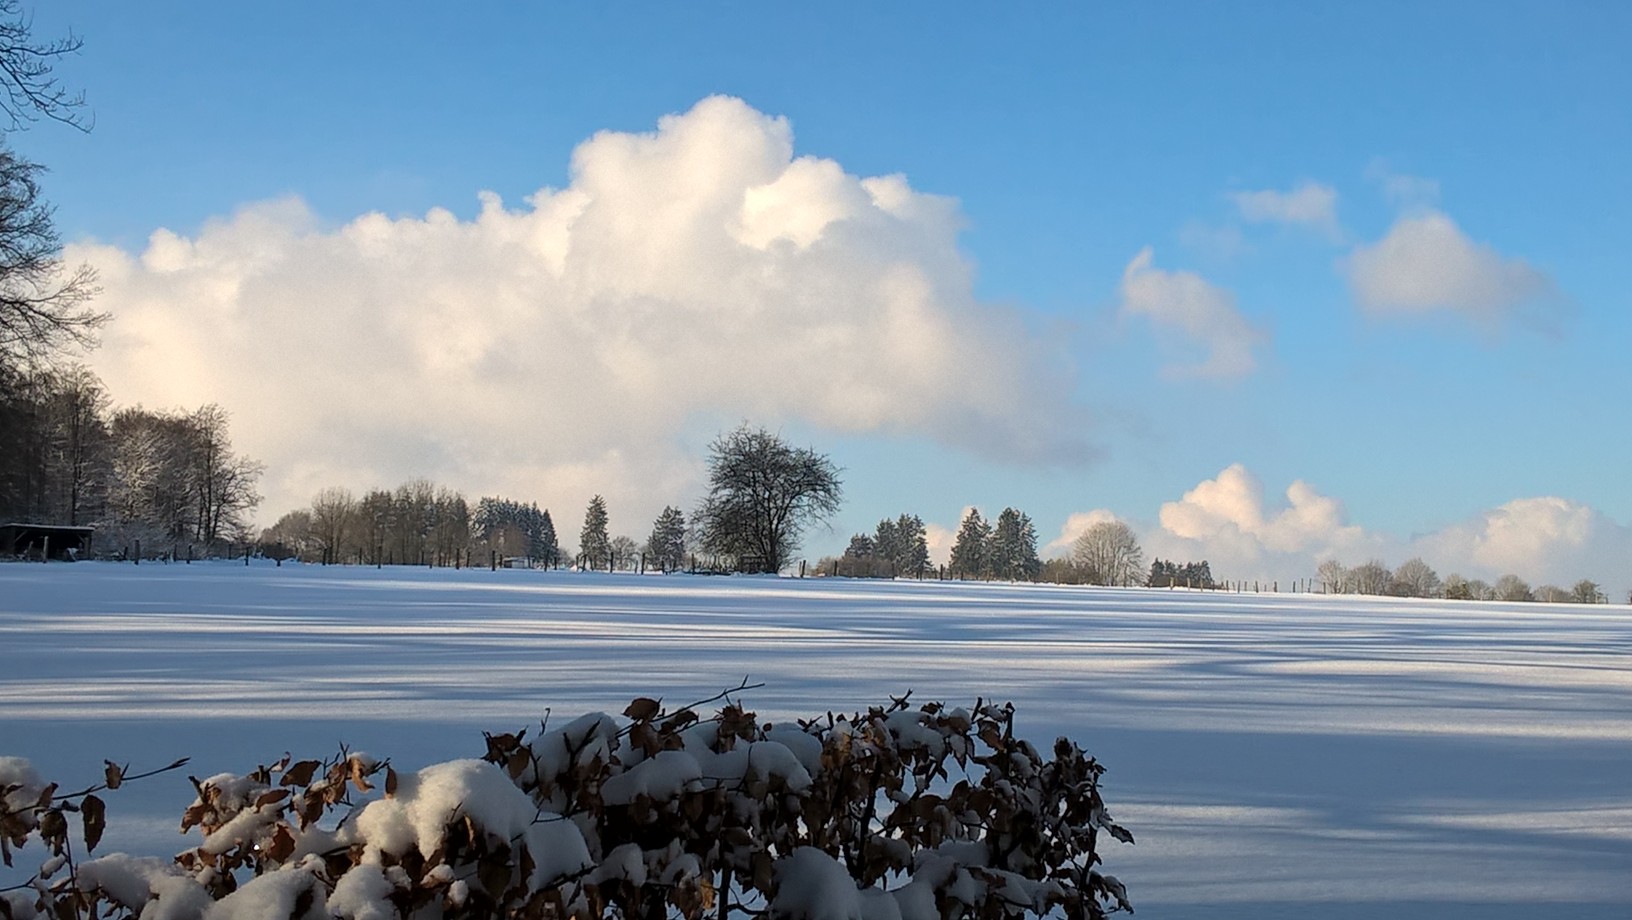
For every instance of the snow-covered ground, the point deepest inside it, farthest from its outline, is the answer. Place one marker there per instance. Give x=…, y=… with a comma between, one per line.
x=1277, y=756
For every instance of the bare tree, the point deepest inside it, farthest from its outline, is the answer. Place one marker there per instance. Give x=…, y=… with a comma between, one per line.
x=223, y=483
x=1587, y=592
x=43, y=307
x=290, y=536
x=1110, y=554
x=762, y=494
x=1457, y=588
x=26, y=73
x=1371, y=578
x=1334, y=577
x=1551, y=594
x=1414, y=578
x=1513, y=588
x=334, y=514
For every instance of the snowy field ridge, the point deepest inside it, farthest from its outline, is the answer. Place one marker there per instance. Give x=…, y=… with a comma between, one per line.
x=1275, y=755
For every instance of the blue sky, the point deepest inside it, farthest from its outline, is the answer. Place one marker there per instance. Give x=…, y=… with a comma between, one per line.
x=1387, y=249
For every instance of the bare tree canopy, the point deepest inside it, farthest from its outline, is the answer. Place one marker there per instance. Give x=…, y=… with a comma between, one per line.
x=43, y=306
x=1110, y=554
x=26, y=73
x=762, y=494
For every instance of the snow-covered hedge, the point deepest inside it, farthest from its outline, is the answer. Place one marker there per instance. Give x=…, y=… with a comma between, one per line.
x=899, y=812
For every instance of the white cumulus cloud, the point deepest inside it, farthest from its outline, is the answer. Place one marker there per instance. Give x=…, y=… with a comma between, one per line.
x=1308, y=204
x=1076, y=524
x=1546, y=540
x=1426, y=264
x=1190, y=313
x=592, y=339
x=1228, y=521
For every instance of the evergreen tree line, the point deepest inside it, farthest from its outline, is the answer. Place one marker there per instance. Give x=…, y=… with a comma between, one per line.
x=160, y=481
x=1005, y=551
x=1415, y=578
x=896, y=548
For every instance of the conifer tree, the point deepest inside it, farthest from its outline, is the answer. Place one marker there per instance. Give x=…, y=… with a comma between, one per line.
x=666, y=547
x=593, y=543
x=969, y=550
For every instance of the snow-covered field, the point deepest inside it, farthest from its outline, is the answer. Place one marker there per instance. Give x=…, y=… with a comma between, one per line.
x=1277, y=756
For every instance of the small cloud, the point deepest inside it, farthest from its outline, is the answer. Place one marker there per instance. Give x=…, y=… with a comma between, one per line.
x=1426, y=264
x=1183, y=306
x=1309, y=204
x=1403, y=191
x=1075, y=526
x=1220, y=243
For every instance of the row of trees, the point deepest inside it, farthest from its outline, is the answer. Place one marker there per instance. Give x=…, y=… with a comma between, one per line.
x=1415, y=578
x=161, y=478
x=1006, y=550
x=896, y=548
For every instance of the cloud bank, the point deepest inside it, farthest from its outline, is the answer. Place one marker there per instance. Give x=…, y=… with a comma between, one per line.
x=1228, y=521
x=593, y=339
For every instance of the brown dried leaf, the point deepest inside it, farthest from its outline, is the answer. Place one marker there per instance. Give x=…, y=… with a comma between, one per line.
x=193, y=816
x=643, y=708
x=93, y=815
x=300, y=774
x=390, y=783
x=54, y=829
x=359, y=775
x=518, y=763
x=283, y=844
x=113, y=775
x=271, y=798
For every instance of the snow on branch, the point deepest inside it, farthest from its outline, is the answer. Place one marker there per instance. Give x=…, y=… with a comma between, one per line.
x=921, y=812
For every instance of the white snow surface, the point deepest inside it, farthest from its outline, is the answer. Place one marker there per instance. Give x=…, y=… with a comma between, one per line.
x=1276, y=756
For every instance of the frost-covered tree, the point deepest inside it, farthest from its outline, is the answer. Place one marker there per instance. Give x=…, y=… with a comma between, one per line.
x=594, y=545
x=762, y=494
x=666, y=547
x=969, y=549
x=173, y=478
x=1110, y=554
